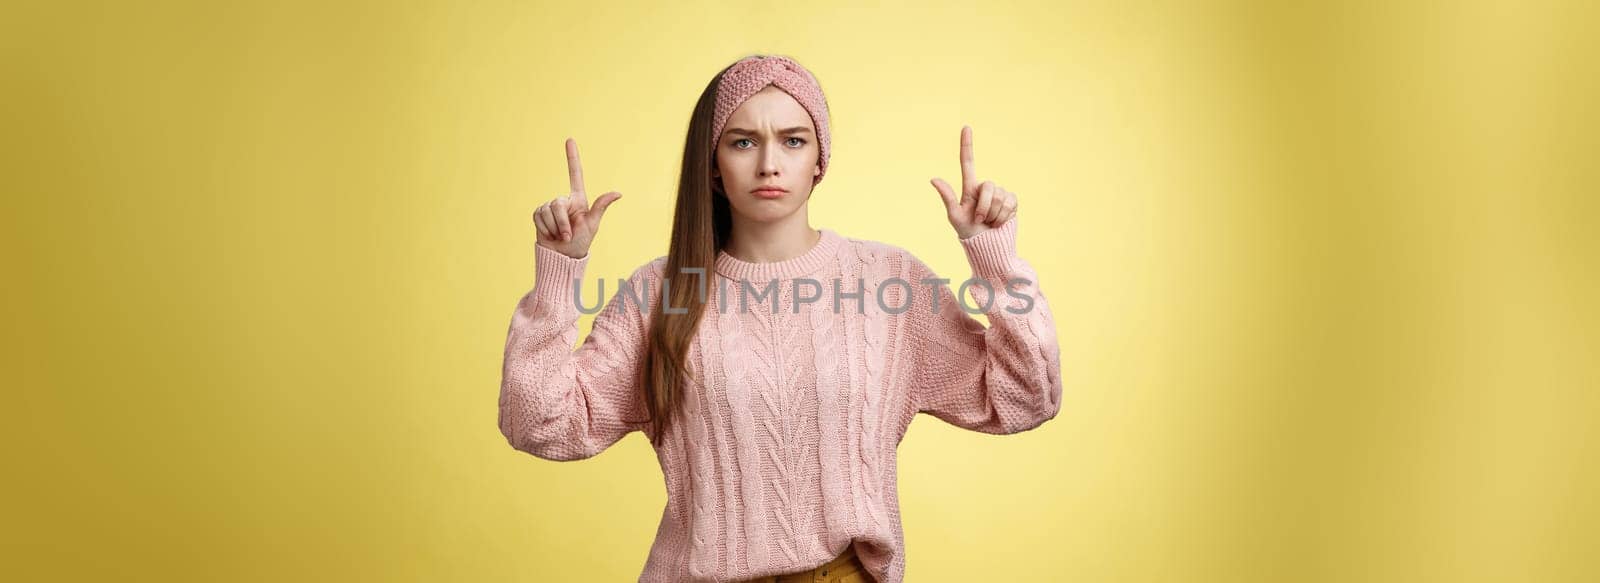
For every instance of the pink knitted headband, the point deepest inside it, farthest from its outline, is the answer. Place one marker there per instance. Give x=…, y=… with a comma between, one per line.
x=752, y=74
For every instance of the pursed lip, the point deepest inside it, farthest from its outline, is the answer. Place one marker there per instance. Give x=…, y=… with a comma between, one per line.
x=769, y=192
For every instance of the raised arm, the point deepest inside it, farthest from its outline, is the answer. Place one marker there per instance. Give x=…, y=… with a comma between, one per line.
x=1005, y=378
x=556, y=403
x=560, y=404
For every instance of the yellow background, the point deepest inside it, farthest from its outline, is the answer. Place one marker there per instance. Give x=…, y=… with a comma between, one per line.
x=1325, y=279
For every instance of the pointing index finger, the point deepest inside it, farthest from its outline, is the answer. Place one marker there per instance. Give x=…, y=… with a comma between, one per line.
x=969, y=176
x=574, y=167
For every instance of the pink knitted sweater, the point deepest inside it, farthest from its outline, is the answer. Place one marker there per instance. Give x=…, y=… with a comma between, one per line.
x=788, y=453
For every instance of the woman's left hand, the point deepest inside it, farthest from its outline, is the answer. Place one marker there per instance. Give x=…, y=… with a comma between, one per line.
x=982, y=205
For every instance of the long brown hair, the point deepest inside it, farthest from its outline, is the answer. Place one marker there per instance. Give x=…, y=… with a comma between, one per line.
x=701, y=224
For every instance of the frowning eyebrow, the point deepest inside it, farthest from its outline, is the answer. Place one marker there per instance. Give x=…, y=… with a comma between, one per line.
x=785, y=131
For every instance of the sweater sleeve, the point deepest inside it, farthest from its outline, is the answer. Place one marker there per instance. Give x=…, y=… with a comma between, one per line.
x=1000, y=379
x=560, y=404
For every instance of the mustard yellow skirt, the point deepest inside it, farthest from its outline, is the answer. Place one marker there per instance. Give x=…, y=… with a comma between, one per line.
x=846, y=568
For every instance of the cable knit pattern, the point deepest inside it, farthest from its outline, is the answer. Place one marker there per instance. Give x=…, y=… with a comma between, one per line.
x=792, y=418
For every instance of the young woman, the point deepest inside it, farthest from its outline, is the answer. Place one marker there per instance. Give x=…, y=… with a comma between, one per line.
x=775, y=410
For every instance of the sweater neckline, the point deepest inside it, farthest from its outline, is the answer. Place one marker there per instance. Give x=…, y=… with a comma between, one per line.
x=826, y=248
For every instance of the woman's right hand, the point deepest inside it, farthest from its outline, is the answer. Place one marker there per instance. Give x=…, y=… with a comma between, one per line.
x=567, y=224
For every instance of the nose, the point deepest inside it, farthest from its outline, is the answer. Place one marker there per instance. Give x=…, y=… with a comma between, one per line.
x=769, y=162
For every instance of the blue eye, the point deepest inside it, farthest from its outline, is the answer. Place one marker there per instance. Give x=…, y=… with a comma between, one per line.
x=802, y=142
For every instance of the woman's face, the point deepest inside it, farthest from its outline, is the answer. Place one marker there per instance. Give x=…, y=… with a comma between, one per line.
x=769, y=141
